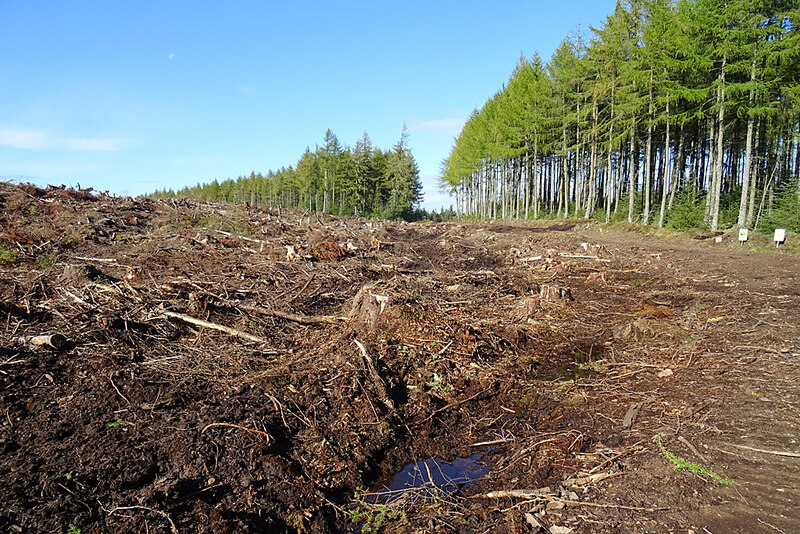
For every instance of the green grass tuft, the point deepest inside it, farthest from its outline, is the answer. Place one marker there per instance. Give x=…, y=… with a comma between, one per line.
x=697, y=469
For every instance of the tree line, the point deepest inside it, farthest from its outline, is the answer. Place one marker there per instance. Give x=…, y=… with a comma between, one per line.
x=363, y=180
x=676, y=112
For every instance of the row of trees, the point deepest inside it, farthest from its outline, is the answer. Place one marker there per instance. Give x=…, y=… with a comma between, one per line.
x=363, y=180
x=672, y=105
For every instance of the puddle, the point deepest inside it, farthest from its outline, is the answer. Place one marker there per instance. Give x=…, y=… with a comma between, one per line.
x=428, y=478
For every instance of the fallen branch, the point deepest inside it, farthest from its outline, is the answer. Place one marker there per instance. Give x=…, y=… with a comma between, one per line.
x=591, y=479
x=617, y=506
x=52, y=341
x=103, y=260
x=77, y=299
x=493, y=442
x=583, y=257
x=374, y=375
x=631, y=449
x=766, y=451
x=454, y=404
x=302, y=319
x=243, y=238
x=518, y=494
x=302, y=289
x=214, y=326
x=172, y=526
x=252, y=430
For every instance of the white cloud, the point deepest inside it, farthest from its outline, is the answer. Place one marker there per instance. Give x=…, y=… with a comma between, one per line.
x=43, y=140
x=171, y=57
x=450, y=126
x=19, y=138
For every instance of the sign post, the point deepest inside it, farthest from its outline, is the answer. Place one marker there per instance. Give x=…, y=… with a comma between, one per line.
x=743, y=235
x=780, y=236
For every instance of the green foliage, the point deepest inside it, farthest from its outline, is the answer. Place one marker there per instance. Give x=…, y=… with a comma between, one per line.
x=680, y=464
x=687, y=213
x=708, y=87
x=7, y=255
x=729, y=208
x=421, y=214
x=45, y=261
x=362, y=180
x=439, y=385
x=785, y=214
x=71, y=529
x=374, y=517
x=621, y=214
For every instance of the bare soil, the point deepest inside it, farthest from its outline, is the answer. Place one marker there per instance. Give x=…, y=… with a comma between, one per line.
x=571, y=358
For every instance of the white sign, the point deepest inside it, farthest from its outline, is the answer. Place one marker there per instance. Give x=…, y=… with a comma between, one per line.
x=780, y=235
x=743, y=234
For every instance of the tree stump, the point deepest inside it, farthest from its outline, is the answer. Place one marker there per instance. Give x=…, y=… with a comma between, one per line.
x=553, y=292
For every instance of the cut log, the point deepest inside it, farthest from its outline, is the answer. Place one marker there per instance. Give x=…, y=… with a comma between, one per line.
x=51, y=341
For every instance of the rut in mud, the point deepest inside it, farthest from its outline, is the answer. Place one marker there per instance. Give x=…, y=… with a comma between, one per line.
x=541, y=359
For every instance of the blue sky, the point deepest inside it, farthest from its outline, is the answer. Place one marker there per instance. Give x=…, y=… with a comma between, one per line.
x=130, y=97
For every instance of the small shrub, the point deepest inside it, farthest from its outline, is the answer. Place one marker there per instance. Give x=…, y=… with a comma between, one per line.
x=687, y=213
x=697, y=469
x=785, y=213
x=374, y=517
x=7, y=255
x=439, y=385
x=45, y=261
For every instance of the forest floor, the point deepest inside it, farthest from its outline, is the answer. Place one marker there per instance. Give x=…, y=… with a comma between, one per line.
x=518, y=377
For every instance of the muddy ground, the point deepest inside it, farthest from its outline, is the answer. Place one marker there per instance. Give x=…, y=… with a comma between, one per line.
x=578, y=365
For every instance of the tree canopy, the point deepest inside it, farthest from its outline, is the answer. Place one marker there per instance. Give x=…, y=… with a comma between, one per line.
x=670, y=107
x=363, y=180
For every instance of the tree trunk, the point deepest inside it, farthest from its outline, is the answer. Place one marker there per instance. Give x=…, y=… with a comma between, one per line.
x=607, y=190
x=648, y=172
x=519, y=185
x=711, y=172
x=681, y=163
x=748, y=162
x=622, y=172
x=325, y=193
x=609, y=185
x=720, y=146
x=665, y=184
x=567, y=182
x=503, y=187
x=592, y=178
x=648, y=175
x=633, y=172
x=562, y=193
x=535, y=182
x=797, y=162
x=528, y=183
